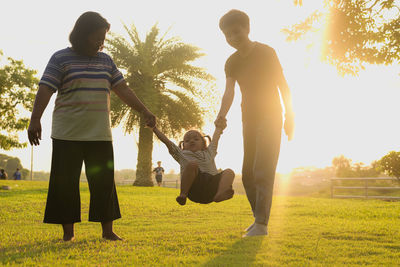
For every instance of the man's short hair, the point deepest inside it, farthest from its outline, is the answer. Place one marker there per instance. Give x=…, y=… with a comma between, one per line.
x=234, y=16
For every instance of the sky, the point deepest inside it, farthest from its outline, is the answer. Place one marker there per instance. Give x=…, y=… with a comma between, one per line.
x=351, y=116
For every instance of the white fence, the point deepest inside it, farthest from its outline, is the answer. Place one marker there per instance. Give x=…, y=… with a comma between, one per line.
x=365, y=186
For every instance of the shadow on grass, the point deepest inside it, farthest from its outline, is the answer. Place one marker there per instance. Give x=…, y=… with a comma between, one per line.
x=18, y=254
x=20, y=192
x=241, y=253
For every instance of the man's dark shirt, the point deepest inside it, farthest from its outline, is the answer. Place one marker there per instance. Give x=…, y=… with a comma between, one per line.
x=257, y=75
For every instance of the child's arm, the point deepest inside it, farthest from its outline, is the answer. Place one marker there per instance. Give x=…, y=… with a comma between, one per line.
x=175, y=151
x=216, y=136
x=163, y=138
x=219, y=127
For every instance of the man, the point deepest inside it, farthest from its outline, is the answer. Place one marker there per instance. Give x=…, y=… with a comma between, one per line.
x=257, y=70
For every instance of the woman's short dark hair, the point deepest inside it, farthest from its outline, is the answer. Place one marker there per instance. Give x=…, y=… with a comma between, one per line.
x=234, y=16
x=86, y=24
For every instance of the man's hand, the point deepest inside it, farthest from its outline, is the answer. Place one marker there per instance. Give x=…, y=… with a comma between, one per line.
x=220, y=122
x=289, y=125
x=150, y=119
x=34, y=132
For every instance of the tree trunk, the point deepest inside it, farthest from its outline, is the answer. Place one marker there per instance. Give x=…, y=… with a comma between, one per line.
x=143, y=167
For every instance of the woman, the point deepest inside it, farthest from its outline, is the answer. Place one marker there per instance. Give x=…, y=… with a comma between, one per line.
x=83, y=78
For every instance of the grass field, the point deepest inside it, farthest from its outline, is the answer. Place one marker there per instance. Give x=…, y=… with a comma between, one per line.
x=303, y=231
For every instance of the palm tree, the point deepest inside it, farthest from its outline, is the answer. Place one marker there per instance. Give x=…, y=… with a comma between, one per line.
x=158, y=69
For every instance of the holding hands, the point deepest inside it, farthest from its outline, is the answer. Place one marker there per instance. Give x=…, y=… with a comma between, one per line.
x=220, y=123
x=150, y=119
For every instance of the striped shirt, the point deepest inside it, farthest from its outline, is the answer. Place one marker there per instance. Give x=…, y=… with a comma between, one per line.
x=83, y=85
x=204, y=158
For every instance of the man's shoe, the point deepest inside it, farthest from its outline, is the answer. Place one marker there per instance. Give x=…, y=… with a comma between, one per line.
x=257, y=229
x=250, y=227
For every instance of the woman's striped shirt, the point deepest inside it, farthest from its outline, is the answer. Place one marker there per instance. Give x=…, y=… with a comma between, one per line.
x=83, y=85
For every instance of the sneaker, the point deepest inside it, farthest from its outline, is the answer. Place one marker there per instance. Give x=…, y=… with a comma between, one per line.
x=256, y=230
x=250, y=227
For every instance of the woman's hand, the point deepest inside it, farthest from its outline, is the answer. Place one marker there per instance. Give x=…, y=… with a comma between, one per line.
x=150, y=119
x=34, y=132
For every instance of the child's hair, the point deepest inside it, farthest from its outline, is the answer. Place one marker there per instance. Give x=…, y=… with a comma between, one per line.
x=234, y=16
x=87, y=23
x=203, y=137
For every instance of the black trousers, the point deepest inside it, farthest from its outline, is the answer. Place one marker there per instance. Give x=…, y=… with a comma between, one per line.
x=63, y=199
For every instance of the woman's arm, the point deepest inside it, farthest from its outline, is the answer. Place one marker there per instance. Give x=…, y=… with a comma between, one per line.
x=41, y=101
x=129, y=97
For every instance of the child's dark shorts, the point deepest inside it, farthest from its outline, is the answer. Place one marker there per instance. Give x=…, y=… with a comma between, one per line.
x=204, y=188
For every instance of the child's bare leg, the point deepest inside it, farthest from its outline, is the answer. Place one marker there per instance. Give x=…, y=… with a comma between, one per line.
x=225, y=190
x=189, y=174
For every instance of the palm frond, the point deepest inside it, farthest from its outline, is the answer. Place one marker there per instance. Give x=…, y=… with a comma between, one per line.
x=179, y=113
x=174, y=55
x=151, y=66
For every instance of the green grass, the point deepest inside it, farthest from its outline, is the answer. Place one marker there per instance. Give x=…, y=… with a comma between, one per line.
x=303, y=231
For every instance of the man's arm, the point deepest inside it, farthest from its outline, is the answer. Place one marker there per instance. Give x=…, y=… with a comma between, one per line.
x=287, y=102
x=227, y=99
x=285, y=93
x=129, y=97
x=41, y=101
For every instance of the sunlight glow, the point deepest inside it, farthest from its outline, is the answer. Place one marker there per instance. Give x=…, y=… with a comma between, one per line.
x=334, y=115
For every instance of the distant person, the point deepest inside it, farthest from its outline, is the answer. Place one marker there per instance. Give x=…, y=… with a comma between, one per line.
x=257, y=70
x=3, y=175
x=17, y=175
x=200, y=180
x=83, y=77
x=159, y=171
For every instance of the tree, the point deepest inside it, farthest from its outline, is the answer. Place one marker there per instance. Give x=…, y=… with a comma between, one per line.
x=17, y=89
x=159, y=71
x=390, y=163
x=355, y=32
x=342, y=166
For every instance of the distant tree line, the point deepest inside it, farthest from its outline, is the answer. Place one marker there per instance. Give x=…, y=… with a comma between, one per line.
x=387, y=165
x=345, y=168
